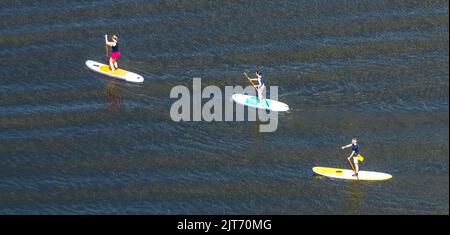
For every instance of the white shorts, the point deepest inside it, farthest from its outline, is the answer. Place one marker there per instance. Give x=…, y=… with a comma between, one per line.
x=261, y=92
x=261, y=88
x=355, y=160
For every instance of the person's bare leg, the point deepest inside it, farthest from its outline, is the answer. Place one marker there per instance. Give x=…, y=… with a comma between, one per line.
x=115, y=64
x=111, y=65
x=356, y=169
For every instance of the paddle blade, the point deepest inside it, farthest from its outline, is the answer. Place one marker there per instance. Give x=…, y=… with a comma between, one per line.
x=360, y=158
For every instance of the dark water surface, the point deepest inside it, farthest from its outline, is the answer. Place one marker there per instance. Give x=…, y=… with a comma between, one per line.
x=72, y=141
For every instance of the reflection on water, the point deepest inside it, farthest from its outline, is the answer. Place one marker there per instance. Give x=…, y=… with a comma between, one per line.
x=356, y=194
x=114, y=96
x=372, y=68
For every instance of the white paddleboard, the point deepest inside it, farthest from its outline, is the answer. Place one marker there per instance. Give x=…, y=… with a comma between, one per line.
x=347, y=174
x=252, y=101
x=118, y=73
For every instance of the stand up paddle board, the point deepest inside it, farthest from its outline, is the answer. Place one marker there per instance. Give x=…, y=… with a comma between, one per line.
x=252, y=101
x=118, y=73
x=347, y=174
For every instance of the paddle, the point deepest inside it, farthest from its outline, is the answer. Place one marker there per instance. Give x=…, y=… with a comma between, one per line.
x=349, y=159
x=250, y=81
x=351, y=164
x=254, y=86
x=107, y=57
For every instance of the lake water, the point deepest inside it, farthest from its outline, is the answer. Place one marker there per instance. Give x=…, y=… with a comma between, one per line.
x=76, y=142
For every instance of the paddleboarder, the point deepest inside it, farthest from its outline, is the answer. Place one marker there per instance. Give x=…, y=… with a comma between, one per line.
x=115, y=53
x=261, y=86
x=354, y=155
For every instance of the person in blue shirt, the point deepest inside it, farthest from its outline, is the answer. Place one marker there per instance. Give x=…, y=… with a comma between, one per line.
x=260, y=86
x=354, y=154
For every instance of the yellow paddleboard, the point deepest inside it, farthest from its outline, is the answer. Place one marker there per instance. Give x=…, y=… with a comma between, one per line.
x=118, y=73
x=347, y=174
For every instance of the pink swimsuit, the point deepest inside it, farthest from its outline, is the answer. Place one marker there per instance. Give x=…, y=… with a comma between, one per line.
x=115, y=52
